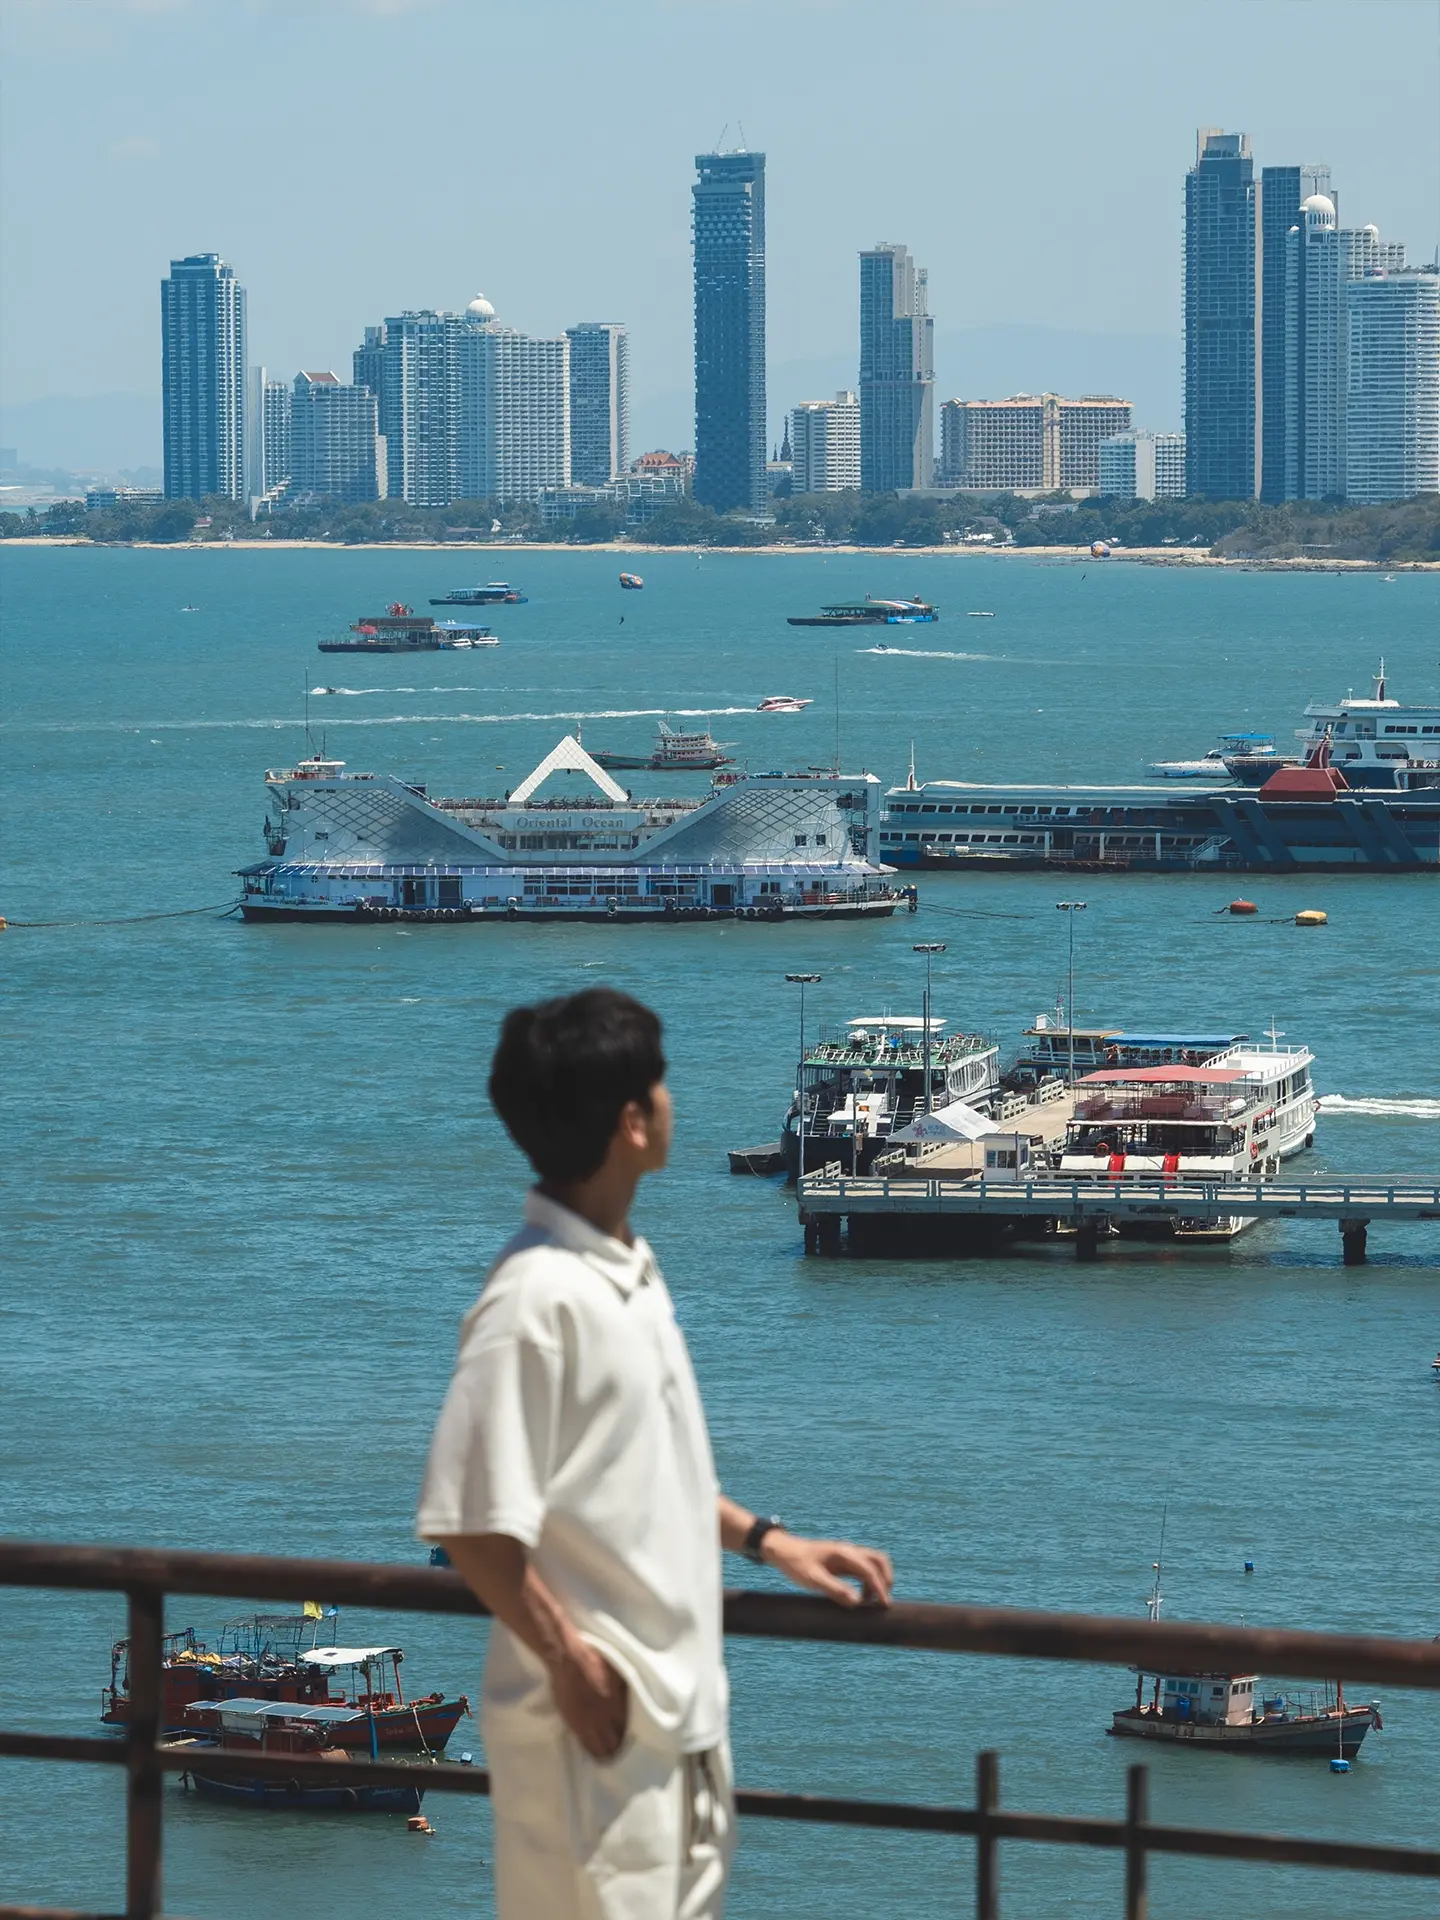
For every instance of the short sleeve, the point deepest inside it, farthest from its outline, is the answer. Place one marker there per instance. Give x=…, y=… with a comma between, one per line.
x=493, y=1451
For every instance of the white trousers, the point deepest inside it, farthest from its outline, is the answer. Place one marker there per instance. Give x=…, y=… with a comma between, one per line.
x=645, y=1836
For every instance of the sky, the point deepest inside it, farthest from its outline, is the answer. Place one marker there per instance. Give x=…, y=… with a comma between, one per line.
x=353, y=158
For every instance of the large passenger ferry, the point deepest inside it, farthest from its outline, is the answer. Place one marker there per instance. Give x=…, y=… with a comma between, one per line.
x=1377, y=742
x=357, y=847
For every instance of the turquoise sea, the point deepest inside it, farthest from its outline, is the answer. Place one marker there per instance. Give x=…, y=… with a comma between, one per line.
x=252, y=1182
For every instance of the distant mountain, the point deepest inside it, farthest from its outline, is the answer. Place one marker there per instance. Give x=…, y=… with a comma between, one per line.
x=972, y=363
x=102, y=432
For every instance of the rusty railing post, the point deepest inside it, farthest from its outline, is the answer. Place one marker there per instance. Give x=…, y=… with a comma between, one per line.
x=987, y=1849
x=144, y=1780
x=1137, y=1813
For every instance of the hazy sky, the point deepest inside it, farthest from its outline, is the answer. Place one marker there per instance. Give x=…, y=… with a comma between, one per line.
x=355, y=157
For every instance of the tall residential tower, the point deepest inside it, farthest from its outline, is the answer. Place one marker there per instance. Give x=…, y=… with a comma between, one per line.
x=1283, y=192
x=729, y=198
x=897, y=373
x=599, y=402
x=1221, y=262
x=202, y=322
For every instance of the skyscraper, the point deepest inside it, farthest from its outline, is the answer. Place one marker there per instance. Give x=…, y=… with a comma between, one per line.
x=1392, y=411
x=599, y=402
x=897, y=373
x=1283, y=191
x=202, y=322
x=410, y=357
x=1220, y=340
x=1032, y=442
x=824, y=441
x=336, y=450
x=511, y=409
x=267, y=434
x=729, y=199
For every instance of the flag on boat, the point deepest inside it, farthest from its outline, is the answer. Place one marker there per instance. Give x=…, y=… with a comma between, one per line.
x=313, y=1610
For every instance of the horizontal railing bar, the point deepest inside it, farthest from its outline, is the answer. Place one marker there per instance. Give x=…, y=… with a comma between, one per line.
x=812, y=1809
x=59, y=1746
x=1009, y=1631
x=54, y=1913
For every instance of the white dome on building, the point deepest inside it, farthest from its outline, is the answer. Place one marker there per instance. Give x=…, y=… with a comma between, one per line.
x=481, y=309
x=1321, y=210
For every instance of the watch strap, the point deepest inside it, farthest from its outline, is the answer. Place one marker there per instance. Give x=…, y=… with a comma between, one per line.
x=755, y=1534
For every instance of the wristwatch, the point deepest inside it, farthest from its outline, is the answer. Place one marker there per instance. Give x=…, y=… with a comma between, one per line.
x=758, y=1528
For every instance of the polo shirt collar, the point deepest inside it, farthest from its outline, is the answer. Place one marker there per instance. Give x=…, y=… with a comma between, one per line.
x=624, y=1267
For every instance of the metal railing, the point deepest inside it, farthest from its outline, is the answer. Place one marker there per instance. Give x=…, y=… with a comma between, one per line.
x=1336, y=1197
x=146, y=1577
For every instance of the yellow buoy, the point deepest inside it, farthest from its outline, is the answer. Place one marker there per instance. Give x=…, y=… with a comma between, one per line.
x=1310, y=917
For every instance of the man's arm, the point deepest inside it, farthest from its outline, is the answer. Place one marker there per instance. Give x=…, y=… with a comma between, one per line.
x=825, y=1566
x=592, y=1698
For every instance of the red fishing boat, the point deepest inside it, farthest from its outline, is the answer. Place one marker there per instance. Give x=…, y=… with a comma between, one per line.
x=262, y=1657
x=257, y=1656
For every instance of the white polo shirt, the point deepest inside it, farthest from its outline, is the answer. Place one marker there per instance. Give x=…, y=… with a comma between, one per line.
x=574, y=1424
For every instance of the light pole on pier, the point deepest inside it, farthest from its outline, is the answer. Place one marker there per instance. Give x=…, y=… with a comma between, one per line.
x=929, y=948
x=802, y=980
x=1070, y=908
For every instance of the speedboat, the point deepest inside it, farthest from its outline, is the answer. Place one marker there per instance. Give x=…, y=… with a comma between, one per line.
x=782, y=703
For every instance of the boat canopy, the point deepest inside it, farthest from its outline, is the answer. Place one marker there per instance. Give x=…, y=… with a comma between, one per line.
x=1163, y=1076
x=235, y=1713
x=957, y=1121
x=896, y=1023
x=1198, y=1042
x=346, y=1656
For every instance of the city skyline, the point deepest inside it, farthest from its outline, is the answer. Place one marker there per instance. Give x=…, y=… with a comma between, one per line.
x=569, y=237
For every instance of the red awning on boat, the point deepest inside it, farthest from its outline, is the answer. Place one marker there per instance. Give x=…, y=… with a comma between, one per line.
x=1164, y=1076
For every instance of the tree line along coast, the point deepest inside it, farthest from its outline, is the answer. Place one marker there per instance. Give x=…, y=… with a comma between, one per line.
x=1398, y=533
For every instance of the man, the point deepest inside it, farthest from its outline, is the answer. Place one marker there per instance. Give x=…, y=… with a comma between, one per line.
x=571, y=1483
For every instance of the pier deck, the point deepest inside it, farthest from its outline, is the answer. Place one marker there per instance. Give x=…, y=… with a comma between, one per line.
x=868, y=1205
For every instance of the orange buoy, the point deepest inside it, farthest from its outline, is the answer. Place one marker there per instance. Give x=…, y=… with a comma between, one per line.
x=1243, y=906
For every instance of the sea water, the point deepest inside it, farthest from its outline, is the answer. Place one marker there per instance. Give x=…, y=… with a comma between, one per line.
x=252, y=1183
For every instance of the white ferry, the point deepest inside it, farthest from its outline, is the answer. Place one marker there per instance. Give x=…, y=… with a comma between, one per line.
x=1234, y=1114
x=1377, y=742
x=360, y=847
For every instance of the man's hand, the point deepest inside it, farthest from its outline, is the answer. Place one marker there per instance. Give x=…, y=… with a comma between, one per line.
x=594, y=1701
x=830, y=1567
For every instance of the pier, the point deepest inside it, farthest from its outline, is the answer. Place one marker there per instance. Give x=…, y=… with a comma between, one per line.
x=938, y=1213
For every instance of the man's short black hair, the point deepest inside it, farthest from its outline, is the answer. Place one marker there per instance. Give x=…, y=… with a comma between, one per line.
x=565, y=1069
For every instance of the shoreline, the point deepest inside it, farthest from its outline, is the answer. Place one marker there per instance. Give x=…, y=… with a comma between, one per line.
x=1133, y=556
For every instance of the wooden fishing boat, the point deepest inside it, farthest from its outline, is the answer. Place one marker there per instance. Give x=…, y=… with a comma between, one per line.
x=274, y=1727
x=262, y=1657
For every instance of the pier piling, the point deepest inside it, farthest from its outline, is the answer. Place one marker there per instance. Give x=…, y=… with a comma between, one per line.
x=1353, y=1237
x=1087, y=1240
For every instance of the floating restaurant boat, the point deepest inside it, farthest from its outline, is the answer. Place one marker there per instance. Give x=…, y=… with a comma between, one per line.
x=869, y=612
x=268, y=1728
x=354, y=848
x=401, y=630
x=672, y=753
x=1303, y=819
x=494, y=593
x=1195, y=1111
x=861, y=1088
